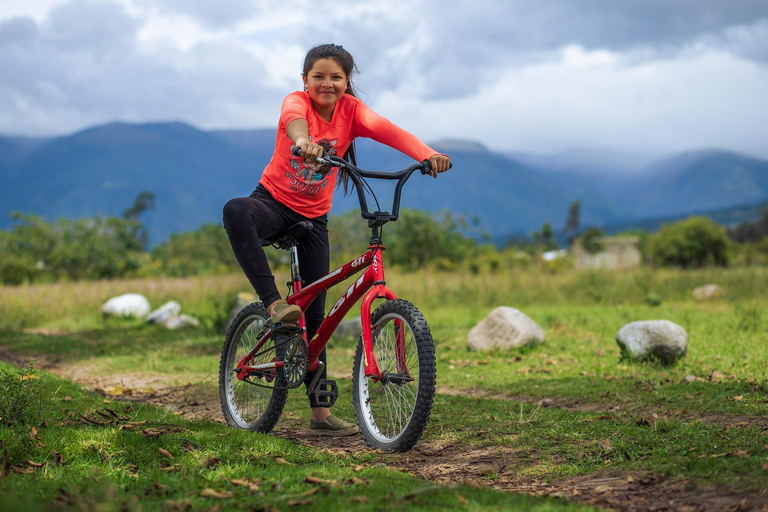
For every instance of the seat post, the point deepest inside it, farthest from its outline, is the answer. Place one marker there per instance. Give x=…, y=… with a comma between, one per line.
x=295, y=276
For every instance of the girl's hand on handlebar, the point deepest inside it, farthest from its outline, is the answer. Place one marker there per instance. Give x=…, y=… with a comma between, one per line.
x=309, y=150
x=440, y=163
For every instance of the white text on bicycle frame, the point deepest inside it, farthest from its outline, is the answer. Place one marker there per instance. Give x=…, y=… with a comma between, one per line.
x=359, y=261
x=346, y=295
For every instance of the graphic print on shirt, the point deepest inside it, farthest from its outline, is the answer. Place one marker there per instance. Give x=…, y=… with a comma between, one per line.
x=309, y=178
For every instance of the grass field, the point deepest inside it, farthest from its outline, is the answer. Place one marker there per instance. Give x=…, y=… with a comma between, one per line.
x=619, y=435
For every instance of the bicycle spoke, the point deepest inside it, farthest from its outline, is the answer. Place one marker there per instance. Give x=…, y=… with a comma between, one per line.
x=391, y=401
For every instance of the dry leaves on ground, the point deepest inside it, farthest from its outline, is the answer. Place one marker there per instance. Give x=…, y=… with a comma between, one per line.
x=213, y=493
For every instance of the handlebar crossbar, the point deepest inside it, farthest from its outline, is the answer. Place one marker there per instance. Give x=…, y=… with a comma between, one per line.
x=375, y=219
x=355, y=173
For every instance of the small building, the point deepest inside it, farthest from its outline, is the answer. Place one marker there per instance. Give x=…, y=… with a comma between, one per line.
x=614, y=252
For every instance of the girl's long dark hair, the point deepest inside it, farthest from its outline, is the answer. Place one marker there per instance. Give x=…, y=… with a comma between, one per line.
x=344, y=59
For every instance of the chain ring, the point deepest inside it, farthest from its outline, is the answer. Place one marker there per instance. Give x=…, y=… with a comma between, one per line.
x=295, y=367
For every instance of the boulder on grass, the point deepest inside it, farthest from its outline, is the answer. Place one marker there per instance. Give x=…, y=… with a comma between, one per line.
x=349, y=329
x=505, y=328
x=126, y=305
x=708, y=292
x=179, y=321
x=653, y=339
x=164, y=312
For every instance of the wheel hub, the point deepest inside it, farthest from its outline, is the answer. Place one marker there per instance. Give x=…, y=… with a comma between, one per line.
x=395, y=378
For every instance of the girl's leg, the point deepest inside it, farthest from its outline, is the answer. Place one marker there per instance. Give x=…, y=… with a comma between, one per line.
x=314, y=258
x=246, y=219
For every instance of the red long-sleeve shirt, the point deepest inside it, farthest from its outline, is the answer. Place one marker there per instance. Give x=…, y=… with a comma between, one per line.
x=307, y=187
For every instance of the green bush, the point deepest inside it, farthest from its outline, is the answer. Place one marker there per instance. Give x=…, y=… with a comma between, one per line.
x=205, y=251
x=420, y=239
x=21, y=396
x=86, y=248
x=691, y=243
x=589, y=240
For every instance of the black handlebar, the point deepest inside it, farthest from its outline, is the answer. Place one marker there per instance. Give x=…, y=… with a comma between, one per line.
x=355, y=173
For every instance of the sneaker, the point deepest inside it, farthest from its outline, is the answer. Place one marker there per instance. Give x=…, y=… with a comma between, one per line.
x=332, y=426
x=284, y=312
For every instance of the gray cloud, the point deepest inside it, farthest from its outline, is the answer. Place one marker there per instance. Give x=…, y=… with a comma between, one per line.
x=440, y=52
x=83, y=65
x=90, y=25
x=17, y=30
x=218, y=14
x=425, y=61
x=469, y=46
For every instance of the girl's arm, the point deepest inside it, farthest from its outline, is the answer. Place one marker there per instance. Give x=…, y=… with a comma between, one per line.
x=370, y=124
x=298, y=131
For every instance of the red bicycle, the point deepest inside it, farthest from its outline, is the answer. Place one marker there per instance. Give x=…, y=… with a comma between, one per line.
x=394, y=373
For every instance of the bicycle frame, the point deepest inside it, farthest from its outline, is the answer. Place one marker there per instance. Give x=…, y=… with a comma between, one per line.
x=370, y=286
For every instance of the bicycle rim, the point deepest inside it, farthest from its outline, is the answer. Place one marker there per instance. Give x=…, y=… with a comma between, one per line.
x=249, y=399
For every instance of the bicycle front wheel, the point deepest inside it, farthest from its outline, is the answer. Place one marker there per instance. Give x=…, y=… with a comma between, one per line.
x=256, y=401
x=393, y=411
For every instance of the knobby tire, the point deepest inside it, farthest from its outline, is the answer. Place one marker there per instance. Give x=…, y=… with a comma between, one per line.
x=392, y=415
x=245, y=405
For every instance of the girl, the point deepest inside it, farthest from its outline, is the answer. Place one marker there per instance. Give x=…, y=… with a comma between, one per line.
x=325, y=118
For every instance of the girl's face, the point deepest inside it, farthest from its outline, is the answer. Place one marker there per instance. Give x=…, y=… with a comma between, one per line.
x=326, y=83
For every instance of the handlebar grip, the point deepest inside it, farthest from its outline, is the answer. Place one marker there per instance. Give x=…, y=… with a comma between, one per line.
x=296, y=151
x=427, y=169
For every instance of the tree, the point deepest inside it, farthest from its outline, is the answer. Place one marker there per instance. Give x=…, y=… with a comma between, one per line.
x=572, y=222
x=752, y=231
x=142, y=202
x=693, y=242
x=589, y=240
x=86, y=248
x=205, y=251
x=548, y=237
x=420, y=238
x=348, y=236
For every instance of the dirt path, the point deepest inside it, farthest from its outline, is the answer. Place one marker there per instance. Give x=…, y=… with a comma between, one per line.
x=449, y=464
x=440, y=462
x=618, y=409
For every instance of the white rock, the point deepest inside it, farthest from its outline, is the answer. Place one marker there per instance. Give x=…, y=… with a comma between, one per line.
x=177, y=322
x=708, y=292
x=349, y=329
x=164, y=312
x=653, y=339
x=129, y=304
x=504, y=328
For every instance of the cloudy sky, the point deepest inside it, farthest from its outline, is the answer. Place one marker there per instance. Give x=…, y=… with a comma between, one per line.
x=652, y=76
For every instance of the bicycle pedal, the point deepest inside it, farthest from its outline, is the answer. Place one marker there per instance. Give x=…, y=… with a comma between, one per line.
x=326, y=392
x=286, y=327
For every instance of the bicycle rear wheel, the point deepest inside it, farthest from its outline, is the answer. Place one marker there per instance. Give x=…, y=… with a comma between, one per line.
x=393, y=412
x=255, y=402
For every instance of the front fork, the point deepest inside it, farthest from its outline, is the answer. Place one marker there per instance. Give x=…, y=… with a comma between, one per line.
x=380, y=291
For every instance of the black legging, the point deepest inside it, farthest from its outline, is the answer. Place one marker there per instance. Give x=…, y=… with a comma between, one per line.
x=247, y=219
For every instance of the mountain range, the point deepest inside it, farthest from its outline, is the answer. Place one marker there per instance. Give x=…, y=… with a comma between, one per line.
x=193, y=172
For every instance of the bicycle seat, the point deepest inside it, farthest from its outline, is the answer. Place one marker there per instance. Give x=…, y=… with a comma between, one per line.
x=288, y=237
